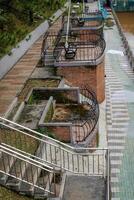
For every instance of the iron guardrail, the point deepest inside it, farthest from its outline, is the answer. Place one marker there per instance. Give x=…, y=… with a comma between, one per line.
x=23, y=171
x=52, y=152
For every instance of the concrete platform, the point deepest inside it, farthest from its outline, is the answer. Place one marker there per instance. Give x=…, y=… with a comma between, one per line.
x=84, y=188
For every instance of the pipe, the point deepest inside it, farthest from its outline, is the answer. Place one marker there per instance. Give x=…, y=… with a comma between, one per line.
x=68, y=23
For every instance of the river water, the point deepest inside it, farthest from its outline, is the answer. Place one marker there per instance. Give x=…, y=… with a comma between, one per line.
x=127, y=22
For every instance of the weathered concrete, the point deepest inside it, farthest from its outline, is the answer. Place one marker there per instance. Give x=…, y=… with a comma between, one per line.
x=84, y=188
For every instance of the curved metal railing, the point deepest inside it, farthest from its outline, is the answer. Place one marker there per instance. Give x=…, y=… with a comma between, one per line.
x=89, y=21
x=86, y=126
x=90, y=48
x=87, y=41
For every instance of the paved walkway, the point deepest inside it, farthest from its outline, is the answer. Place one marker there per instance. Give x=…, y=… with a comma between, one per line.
x=14, y=80
x=120, y=117
x=84, y=188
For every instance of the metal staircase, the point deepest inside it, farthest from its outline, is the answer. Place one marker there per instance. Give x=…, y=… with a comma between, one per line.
x=30, y=160
x=25, y=175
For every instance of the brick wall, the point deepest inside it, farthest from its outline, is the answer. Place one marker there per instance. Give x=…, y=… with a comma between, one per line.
x=92, y=76
x=93, y=143
x=61, y=133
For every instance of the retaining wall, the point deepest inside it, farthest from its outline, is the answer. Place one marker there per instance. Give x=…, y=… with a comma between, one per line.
x=92, y=76
x=7, y=62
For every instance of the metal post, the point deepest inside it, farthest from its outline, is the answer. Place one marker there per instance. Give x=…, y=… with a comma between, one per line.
x=108, y=175
x=68, y=24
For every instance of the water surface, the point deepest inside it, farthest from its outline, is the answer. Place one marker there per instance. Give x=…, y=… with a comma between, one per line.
x=127, y=21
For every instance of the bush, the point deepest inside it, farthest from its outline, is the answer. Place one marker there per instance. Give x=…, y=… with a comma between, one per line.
x=19, y=17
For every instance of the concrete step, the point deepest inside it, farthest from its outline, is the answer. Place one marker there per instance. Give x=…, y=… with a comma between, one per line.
x=45, y=182
x=6, y=163
x=31, y=175
x=84, y=187
x=17, y=170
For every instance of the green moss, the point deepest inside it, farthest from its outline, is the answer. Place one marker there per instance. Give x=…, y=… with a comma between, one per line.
x=46, y=131
x=35, y=98
x=60, y=97
x=6, y=194
x=31, y=83
x=19, y=141
x=32, y=99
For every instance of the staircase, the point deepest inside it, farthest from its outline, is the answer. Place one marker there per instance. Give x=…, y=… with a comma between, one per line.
x=25, y=175
x=29, y=160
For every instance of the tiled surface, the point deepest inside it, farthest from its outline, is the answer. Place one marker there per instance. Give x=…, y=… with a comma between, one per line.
x=120, y=118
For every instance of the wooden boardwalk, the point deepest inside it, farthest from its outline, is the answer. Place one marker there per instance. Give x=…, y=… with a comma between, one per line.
x=14, y=80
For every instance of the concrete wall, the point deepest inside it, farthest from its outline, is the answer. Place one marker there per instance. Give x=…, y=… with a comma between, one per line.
x=62, y=133
x=7, y=62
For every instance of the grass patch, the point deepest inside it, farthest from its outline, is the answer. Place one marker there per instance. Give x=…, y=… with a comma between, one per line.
x=46, y=131
x=6, y=194
x=19, y=141
x=18, y=18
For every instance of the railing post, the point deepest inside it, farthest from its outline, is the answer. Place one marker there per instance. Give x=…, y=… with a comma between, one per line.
x=104, y=162
x=108, y=178
x=107, y=175
x=60, y=157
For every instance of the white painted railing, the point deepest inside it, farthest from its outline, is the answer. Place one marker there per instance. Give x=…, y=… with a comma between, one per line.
x=19, y=169
x=53, y=153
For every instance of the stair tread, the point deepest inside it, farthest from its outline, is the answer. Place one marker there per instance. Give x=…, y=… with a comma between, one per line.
x=17, y=170
x=6, y=162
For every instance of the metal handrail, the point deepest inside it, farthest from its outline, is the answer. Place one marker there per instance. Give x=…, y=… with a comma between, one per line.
x=87, y=124
x=98, y=46
x=40, y=137
x=36, y=165
x=56, y=42
x=52, y=146
x=14, y=152
x=40, y=164
x=87, y=161
x=90, y=18
x=108, y=178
